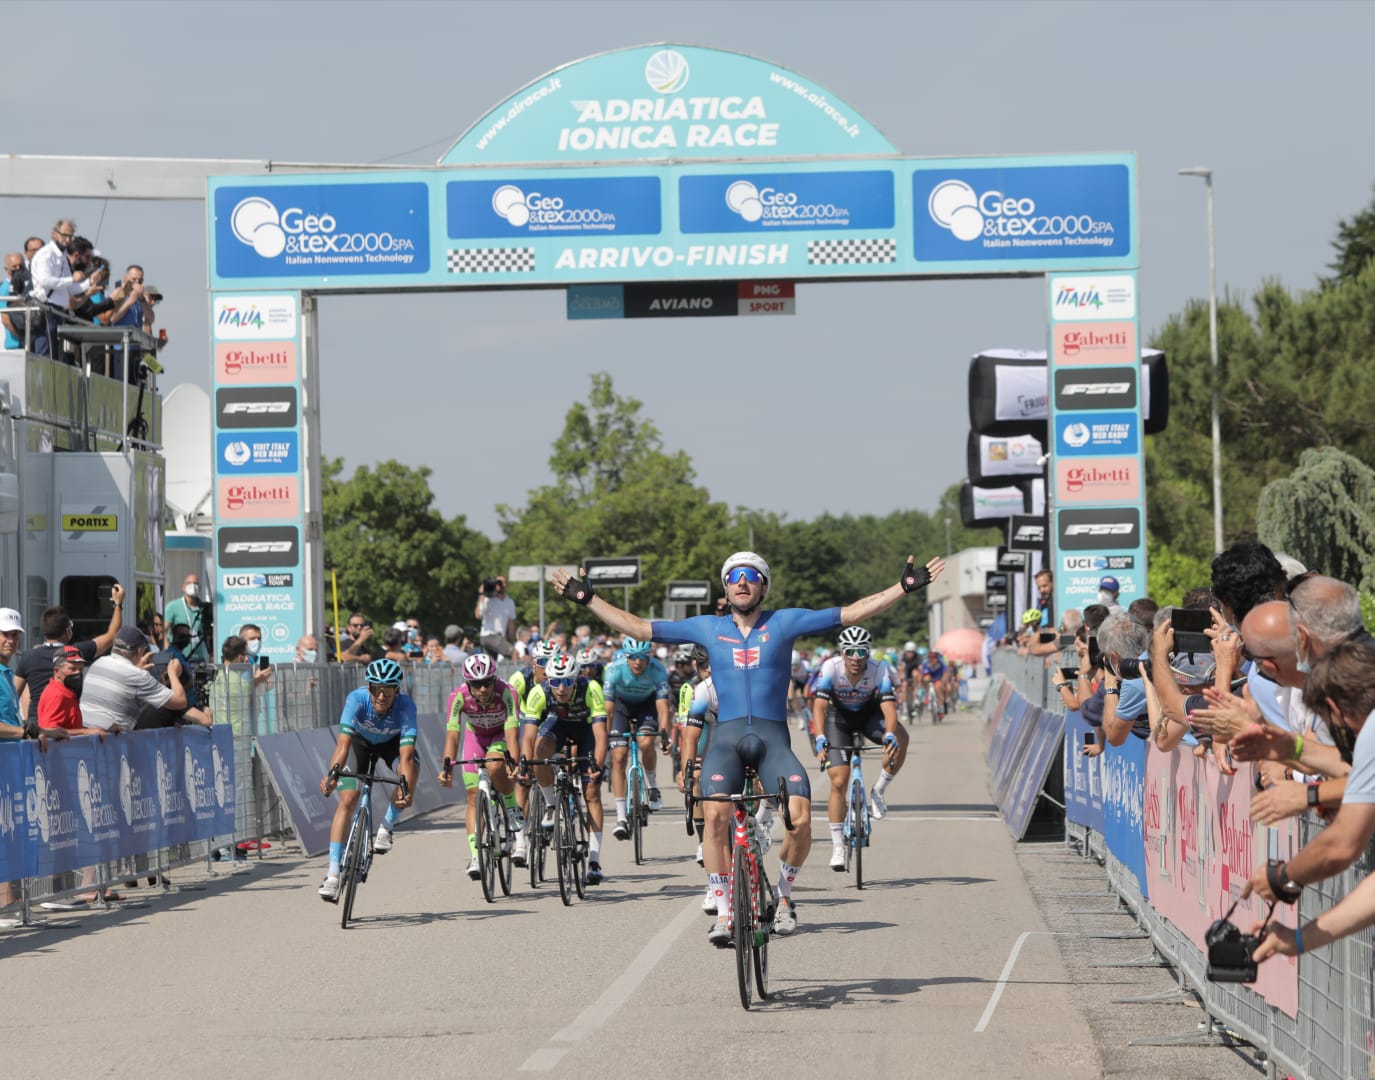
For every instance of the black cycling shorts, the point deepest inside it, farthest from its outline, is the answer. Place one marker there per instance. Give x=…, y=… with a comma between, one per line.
x=366, y=755
x=844, y=727
x=763, y=744
x=641, y=717
x=578, y=732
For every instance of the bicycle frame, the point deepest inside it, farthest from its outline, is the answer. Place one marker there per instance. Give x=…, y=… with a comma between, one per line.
x=357, y=858
x=636, y=792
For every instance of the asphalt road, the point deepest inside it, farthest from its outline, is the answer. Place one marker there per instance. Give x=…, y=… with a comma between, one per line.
x=911, y=976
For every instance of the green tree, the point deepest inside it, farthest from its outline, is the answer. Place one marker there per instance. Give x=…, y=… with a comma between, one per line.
x=394, y=554
x=1323, y=514
x=1354, y=245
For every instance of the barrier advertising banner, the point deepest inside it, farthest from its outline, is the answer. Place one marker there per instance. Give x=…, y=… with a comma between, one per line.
x=1084, y=776
x=1123, y=806
x=1201, y=847
x=87, y=801
x=1038, y=758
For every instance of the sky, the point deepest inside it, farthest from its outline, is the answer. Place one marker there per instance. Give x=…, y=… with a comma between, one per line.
x=856, y=404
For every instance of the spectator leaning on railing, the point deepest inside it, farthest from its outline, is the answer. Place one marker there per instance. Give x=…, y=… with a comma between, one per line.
x=118, y=686
x=59, y=707
x=11, y=726
x=34, y=668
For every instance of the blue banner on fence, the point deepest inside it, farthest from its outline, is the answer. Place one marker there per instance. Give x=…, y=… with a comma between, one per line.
x=1042, y=745
x=87, y=801
x=1124, y=806
x=1084, y=776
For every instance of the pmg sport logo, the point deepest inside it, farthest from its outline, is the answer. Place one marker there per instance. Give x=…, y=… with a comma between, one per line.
x=667, y=71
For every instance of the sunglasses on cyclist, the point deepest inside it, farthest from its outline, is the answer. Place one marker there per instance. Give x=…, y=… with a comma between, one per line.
x=378, y=690
x=855, y=653
x=561, y=684
x=744, y=573
x=481, y=684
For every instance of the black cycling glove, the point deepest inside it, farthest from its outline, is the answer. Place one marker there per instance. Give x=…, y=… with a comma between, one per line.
x=579, y=590
x=914, y=577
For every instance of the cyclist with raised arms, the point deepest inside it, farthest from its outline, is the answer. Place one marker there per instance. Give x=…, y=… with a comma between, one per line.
x=569, y=707
x=636, y=689
x=377, y=724
x=750, y=649
x=854, y=697
x=484, y=714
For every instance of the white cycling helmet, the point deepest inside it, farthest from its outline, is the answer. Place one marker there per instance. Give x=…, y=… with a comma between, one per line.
x=911, y=646
x=682, y=654
x=541, y=651
x=477, y=667
x=855, y=637
x=562, y=666
x=750, y=559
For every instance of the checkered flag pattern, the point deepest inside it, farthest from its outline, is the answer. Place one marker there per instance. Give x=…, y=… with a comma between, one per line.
x=491, y=260
x=851, y=252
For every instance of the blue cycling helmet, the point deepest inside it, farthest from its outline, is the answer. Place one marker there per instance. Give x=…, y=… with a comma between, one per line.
x=631, y=647
x=385, y=672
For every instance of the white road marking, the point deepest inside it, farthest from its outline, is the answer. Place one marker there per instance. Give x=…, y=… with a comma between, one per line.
x=615, y=995
x=909, y=817
x=1002, y=982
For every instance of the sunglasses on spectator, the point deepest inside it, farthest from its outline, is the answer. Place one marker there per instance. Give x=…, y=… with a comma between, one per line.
x=744, y=573
x=481, y=684
x=1297, y=580
x=1247, y=654
x=355, y=626
x=561, y=684
x=855, y=653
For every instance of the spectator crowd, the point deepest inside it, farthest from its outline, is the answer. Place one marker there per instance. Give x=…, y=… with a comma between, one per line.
x=67, y=280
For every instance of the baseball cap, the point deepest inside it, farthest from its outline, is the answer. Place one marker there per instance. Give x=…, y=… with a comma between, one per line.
x=9, y=620
x=131, y=637
x=403, y=626
x=73, y=655
x=152, y=291
x=452, y=632
x=1110, y=583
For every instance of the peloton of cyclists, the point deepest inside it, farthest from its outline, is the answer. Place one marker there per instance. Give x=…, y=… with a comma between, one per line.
x=750, y=649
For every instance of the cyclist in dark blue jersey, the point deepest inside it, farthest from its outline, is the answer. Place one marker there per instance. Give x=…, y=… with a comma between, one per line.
x=750, y=651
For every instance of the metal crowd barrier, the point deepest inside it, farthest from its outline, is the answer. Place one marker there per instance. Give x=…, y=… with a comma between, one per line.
x=1333, y=1035
x=295, y=697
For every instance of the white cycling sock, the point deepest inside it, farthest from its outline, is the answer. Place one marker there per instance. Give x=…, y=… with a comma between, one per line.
x=550, y=795
x=719, y=884
x=786, y=876
x=838, y=834
x=884, y=779
x=620, y=810
x=652, y=776
x=594, y=847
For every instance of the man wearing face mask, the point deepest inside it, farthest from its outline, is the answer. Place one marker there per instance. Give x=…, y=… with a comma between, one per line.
x=1108, y=588
x=59, y=708
x=190, y=610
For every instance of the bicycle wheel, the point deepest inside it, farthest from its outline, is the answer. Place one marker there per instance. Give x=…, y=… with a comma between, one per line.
x=352, y=867
x=742, y=919
x=859, y=827
x=579, y=846
x=486, y=847
x=564, y=846
x=506, y=838
x=635, y=780
x=534, y=837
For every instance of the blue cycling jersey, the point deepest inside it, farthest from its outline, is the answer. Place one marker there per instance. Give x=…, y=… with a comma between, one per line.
x=622, y=684
x=360, y=720
x=751, y=673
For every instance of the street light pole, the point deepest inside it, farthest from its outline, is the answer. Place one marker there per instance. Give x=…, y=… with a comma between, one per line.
x=947, y=536
x=1207, y=175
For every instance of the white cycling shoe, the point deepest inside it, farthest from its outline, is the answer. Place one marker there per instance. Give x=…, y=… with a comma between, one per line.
x=878, y=805
x=838, y=859
x=382, y=842
x=329, y=891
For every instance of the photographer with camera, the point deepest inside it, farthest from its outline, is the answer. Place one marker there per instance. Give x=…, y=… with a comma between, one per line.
x=1185, y=662
x=1120, y=707
x=498, y=614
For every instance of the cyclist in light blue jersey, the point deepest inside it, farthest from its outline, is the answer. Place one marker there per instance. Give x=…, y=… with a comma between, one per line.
x=637, y=696
x=750, y=651
x=377, y=724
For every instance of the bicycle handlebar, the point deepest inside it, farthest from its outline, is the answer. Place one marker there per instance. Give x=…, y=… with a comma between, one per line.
x=338, y=773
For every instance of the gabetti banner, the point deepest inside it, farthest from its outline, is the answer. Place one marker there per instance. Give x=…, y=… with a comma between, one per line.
x=87, y=801
x=1098, y=469
x=259, y=468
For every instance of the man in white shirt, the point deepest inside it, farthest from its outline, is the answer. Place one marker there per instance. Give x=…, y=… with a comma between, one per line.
x=498, y=614
x=54, y=280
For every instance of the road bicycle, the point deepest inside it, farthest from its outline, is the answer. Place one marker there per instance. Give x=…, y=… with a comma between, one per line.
x=569, y=839
x=536, y=842
x=752, y=900
x=637, y=792
x=495, y=837
x=857, y=831
x=357, y=860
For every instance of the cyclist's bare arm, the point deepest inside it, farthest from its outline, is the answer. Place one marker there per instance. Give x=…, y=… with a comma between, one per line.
x=609, y=613
x=863, y=610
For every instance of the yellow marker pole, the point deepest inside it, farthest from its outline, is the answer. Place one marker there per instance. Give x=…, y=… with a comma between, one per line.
x=334, y=585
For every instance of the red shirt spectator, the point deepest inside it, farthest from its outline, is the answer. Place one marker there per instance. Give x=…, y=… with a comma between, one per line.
x=58, y=706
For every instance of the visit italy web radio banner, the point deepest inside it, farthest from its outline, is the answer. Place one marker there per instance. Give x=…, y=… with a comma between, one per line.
x=87, y=801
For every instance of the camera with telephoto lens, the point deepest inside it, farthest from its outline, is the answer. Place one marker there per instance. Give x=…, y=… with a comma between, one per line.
x=1230, y=952
x=1129, y=667
x=489, y=586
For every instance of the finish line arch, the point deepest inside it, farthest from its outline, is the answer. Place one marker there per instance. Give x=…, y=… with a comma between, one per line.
x=663, y=163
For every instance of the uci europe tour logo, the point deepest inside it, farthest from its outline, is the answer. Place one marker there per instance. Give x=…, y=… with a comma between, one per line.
x=667, y=71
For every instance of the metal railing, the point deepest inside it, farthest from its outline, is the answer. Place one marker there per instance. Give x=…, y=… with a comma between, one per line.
x=1333, y=1035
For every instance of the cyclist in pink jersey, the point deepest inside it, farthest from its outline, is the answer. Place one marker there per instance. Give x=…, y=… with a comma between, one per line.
x=485, y=713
